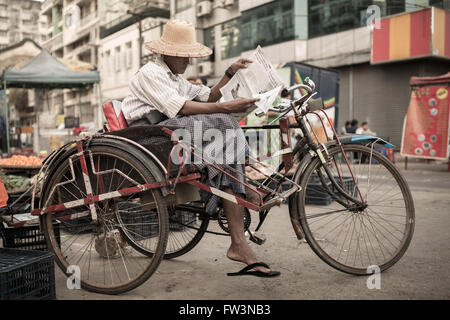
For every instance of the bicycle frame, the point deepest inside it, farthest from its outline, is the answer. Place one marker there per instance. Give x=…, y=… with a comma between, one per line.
x=263, y=190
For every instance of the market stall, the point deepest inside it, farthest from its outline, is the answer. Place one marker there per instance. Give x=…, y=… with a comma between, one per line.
x=16, y=171
x=45, y=72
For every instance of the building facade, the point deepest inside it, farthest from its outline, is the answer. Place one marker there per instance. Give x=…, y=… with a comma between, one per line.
x=102, y=33
x=331, y=34
x=72, y=33
x=123, y=34
x=19, y=19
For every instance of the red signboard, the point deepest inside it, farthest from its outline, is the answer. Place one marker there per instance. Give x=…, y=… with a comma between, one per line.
x=425, y=130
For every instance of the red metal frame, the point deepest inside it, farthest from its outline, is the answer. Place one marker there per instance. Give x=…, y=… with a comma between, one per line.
x=182, y=177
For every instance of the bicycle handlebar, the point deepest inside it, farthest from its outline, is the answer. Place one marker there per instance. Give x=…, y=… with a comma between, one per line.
x=284, y=107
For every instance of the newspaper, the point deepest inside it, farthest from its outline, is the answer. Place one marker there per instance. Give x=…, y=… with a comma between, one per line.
x=259, y=80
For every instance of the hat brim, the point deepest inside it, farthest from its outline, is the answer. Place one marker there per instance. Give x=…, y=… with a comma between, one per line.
x=196, y=50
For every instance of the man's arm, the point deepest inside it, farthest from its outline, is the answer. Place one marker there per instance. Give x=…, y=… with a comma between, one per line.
x=215, y=94
x=234, y=106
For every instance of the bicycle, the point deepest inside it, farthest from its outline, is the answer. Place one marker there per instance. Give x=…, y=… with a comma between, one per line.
x=128, y=201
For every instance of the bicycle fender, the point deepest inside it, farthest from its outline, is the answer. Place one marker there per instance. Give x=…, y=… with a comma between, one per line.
x=106, y=141
x=306, y=160
x=361, y=138
x=156, y=169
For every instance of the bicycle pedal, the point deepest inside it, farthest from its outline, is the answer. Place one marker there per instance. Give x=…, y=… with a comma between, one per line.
x=290, y=191
x=277, y=201
x=257, y=238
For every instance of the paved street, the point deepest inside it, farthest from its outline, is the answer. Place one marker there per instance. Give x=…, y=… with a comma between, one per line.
x=201, y=274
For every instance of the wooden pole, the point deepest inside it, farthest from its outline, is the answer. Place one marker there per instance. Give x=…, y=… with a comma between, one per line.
x=6, y=111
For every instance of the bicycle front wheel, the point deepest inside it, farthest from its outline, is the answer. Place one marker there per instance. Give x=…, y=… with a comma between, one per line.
x=349, y=239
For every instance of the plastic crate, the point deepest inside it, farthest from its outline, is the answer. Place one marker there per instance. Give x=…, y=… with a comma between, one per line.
x=27, y=237
x=26, y=275
x=22, y=206
x=141, y=224
x=349, y=186
x=316, y=194
x=77, y=226
x=181, y=219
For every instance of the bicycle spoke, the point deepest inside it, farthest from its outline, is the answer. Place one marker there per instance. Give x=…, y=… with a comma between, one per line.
x=356, y=237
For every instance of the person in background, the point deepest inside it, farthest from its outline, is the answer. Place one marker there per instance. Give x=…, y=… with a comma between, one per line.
x=353, y=126
x=345, y=128
x=364, y=129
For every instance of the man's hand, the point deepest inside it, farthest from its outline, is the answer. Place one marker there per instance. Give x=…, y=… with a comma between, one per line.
x=240, y=64
x=239, y=105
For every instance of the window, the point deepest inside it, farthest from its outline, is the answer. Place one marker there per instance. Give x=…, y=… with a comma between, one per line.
x=331, y=16
x=181, y=5
x=128, y=55
x=268, y=24
x=107, y=61
x=439, y=3
x=209, y=38
x=230, y=39
x=14, y=17
x=117, y=59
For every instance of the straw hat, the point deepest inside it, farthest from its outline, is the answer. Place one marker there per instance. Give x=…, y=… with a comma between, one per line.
x=178, y=39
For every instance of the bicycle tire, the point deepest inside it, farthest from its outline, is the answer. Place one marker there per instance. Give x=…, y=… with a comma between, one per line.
x=137, y=161
x=299, y=205
x=191, y=244
x=177, y=252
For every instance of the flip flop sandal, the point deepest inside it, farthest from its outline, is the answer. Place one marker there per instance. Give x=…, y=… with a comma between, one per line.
x=247, y=271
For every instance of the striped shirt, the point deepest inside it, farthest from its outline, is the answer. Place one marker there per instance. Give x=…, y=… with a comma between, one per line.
x=154, y=86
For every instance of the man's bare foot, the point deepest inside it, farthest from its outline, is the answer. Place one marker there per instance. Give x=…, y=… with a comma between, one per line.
x=243, y=253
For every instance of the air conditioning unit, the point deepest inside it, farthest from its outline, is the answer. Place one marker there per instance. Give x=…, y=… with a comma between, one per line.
x=205, y=68
x=228, y=3
x=204, y=8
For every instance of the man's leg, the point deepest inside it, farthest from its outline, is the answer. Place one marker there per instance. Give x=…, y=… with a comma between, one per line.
x=239, y=249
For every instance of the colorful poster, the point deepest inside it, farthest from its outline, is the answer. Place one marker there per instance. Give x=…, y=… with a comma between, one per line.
x=426, y=125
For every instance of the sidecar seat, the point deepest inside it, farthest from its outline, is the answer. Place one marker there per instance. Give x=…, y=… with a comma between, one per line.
x=160, y=146
x=114, y=115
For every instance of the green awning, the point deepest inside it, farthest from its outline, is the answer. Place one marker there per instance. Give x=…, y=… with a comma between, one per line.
x=45, y=71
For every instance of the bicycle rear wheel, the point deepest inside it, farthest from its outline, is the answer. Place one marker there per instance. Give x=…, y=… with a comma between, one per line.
x=351, y=240
x=107, y=263
x=186, y=229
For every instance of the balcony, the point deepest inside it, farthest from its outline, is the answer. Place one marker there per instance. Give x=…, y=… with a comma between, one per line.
x=90, y=17
x=77, y=51
x=146, y=9
x=69, y=101
x=151, y=3
x=46, y=6
x=54, y=43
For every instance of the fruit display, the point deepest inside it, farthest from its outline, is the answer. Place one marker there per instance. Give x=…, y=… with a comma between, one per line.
x=21, y=161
